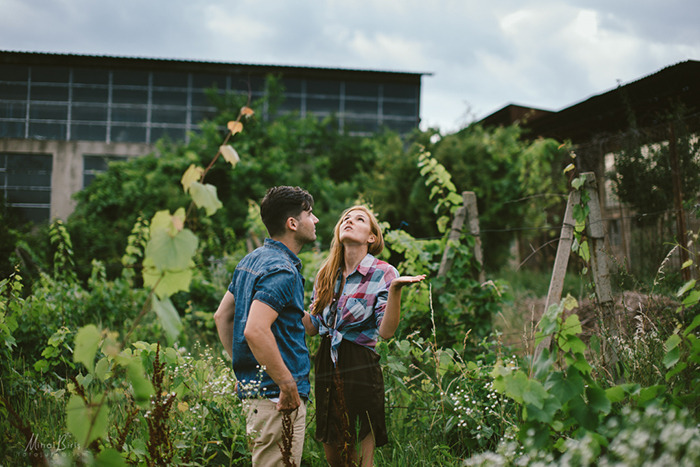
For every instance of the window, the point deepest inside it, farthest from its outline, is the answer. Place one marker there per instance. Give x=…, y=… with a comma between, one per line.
x=88, y=132
x=323, y=104
x=26, y=184
x=360, y=89
x=400, y=91
x=93, y=165
x=400, y=108
x=361, y=106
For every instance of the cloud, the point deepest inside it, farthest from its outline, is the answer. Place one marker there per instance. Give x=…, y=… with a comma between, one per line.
x=483, y=55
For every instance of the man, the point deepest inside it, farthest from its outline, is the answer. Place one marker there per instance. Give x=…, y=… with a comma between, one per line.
x=259, y=321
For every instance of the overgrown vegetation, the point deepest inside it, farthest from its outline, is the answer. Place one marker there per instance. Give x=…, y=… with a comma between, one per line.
x=109, y=353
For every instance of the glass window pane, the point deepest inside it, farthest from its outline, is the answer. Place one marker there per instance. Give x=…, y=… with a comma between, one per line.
x=199, y=115
x=204, y=81
x=170, y=79
x=400, y=126
x=128, y=134
x=137, y=114
x=82, y=132
x=322, y=104
x=16, y=109
x=169, y=115
x=48, y=111
x=89, y=112
x=95, y=165
x=47, y=130
x=400, y=108
x=201, y=99
x=45, y=92
x=244, y=83
x=90, y=76
x=314, y=86
x=360, y=89
x=401, y=91
x=33, y=214
x=49, y=74
x=361, y=125
x=129, y=78
x=362, y=107
x=14, y=73
x=169, y=97
x=29, y=162
x=11, y=129
x=290, y=104
x=13, y=91
x=172, y=133
x=90, y=94
x=28, y=195
x=292, y=85
x=129, y=96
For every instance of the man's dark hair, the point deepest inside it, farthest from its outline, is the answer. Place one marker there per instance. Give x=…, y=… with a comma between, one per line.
x=282, y=202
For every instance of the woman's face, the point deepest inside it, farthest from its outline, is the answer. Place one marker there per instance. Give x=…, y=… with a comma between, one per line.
x=356, y=229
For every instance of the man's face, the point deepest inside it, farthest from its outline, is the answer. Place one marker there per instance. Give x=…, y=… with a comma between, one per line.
x=306, y=229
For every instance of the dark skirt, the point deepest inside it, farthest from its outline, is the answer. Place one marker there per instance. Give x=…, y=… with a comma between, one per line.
x=349, y=401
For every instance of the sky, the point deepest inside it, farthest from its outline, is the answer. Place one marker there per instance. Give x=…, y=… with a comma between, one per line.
x=481, y=55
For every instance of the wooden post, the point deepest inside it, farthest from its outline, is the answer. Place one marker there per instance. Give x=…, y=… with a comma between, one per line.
x=601, y=274
x=468, y=208
x=566, y=239
x=678, y=201
x=596, y=240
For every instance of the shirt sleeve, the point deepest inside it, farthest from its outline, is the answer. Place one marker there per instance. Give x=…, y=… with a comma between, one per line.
x=276, y=288
x=314, y=319
x=389, y=275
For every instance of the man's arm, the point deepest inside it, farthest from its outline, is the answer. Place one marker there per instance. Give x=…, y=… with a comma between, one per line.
x=262, y=343
x=224, y=321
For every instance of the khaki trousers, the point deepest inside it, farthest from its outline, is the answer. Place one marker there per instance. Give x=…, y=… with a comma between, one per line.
x=264, y=429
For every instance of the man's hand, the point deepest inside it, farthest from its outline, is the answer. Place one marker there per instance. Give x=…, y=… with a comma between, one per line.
x=289, y=397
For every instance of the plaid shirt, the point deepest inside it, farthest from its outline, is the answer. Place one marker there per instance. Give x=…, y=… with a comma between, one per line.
x=360, y=306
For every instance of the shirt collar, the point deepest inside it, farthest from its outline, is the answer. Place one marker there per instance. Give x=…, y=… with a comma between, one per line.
x=366, y=264
x=270, y=243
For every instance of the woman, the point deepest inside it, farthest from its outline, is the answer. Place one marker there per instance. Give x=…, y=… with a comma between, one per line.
x=357, y=299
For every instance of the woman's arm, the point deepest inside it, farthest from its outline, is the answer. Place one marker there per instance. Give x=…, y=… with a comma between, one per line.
x=392, y=312
x=308, y=325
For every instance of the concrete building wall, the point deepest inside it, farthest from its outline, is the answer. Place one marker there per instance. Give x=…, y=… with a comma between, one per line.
x=67, y=164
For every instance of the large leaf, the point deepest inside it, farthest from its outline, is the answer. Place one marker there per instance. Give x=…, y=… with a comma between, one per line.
x=86, y=343
x=168, y=317
x=86, y=422
x=230, y=154
x=168, y=282
x=204, y=196
x=110, y=458
x=191, y=175
x=143, y=389
x=598, y=400
x=170, y=246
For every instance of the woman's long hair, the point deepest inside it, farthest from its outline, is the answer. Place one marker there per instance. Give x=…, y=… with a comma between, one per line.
x=328, y=274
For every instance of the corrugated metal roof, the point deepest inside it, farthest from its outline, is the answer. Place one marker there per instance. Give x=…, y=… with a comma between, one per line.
x=205, y=62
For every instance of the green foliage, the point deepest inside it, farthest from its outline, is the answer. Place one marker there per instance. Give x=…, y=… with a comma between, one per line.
x=516, y=182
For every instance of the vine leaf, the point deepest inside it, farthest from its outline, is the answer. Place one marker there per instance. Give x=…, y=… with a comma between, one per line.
x=170, y=247
x=191, y=175
x=235, y=127
x=204, y=196
x=143, y=388
x=86, y=422
x=169, y=318
x=86, y=343
x=230, y=154
x=168, y=282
